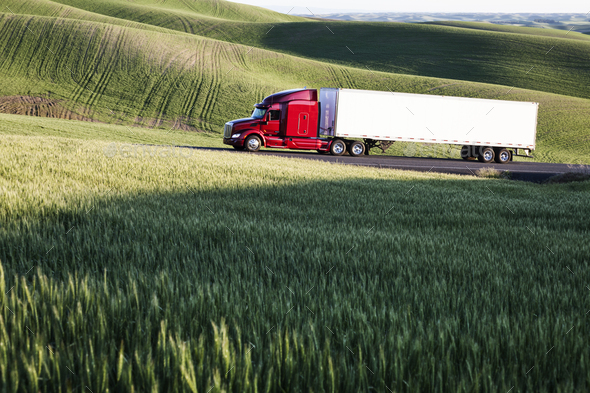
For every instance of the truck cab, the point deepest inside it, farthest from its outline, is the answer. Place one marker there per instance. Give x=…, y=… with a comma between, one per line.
x=288, y=119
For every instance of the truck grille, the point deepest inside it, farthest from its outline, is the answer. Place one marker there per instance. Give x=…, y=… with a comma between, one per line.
x=227, y=130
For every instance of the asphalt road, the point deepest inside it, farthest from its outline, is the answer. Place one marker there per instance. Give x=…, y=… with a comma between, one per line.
x=527, y=171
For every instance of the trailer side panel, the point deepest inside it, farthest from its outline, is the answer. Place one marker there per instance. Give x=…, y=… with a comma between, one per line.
x=436, y=119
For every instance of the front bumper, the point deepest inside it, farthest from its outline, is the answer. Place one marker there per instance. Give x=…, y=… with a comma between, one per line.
x=233, y=141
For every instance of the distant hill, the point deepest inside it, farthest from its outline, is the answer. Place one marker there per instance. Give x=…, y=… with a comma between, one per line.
x=575, y=22
x=557, y=20
x=553, y=61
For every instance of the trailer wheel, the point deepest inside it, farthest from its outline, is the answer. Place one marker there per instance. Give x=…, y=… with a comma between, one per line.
x=253, y=143
x=486, y=154
x=337, y=148
x=503, y=156
x=356, y=148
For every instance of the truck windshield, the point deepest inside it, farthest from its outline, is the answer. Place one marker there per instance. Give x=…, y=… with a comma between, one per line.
x=258, y=113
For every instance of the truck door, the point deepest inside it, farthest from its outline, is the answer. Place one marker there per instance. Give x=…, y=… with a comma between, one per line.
x=303, y=124
x=273, y=122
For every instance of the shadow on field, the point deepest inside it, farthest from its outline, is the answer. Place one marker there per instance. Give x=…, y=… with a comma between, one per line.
x=280, y=220
x=424, y=50
x=393, y=48
x=331, y=269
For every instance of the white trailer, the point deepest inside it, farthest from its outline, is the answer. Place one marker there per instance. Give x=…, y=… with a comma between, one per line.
x=488, y=129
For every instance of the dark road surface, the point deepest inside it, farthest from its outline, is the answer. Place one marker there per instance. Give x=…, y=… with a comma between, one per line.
x=528, y=171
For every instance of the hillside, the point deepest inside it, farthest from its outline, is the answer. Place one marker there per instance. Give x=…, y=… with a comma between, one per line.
x=88, y=66
x=111, y=73
x=547, y=60
x=477, y=52
x=150, y=11
x=537, y=31
x=505, y=58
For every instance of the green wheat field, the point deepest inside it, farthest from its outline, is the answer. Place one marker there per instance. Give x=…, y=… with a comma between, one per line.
x=131, y=264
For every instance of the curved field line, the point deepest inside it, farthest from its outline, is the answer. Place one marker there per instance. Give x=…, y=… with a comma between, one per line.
x=212, y=94
x=334, y=75
x=346, y=74
x=174, y=89
x=105, y=76
x=240, y=53
x=84, y=82
x=193, y=95
x=20, y=37
x=183, y=23
x=150, y=100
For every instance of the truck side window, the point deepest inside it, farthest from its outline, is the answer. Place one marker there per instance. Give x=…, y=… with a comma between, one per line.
x=275, y=115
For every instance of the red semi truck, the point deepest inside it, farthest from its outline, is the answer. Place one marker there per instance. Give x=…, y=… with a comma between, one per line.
x=353, y=121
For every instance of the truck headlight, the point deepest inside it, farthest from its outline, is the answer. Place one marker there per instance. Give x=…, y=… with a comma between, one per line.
x=235, y=136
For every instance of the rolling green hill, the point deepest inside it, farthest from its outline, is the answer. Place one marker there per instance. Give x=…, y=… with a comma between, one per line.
x=552, y=61
x=149, y=11
x=545, y=63
x=536, y=31
x=479, y=52
x=88, y=70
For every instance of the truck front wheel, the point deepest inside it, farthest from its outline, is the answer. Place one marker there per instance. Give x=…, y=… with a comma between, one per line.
x=253, y=143
x=337, y=148
x=356, y=148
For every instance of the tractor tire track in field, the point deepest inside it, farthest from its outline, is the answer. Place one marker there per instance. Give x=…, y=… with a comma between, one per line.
x=152, y=96
x=174, y=89
x=97, y=58
x=348, y=77
x=189, y=5
x=184, y=28
x=18, y=27
x=187, y=24
x=89, y=74
x=241, y=52
x=39, y=47
x=334, y=75
x=194, y=93
x=214, y=90
x=105, y=76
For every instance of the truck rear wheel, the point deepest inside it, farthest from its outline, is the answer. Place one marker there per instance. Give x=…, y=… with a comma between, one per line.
x=253, y=143
x=337, y=148
x=503, y=156
x=356, y=148
x=486, y=154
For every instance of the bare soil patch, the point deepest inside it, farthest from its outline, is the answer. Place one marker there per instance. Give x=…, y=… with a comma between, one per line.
x=37, y=106
x=53, y=108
